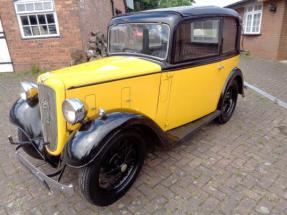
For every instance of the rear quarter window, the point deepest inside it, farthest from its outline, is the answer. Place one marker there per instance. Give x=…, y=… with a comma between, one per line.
x=229, y=35
x=197, y=39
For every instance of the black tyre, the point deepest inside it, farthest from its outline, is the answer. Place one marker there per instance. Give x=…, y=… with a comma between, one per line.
x=30, y=150
x=110, y=176
x=228, y=103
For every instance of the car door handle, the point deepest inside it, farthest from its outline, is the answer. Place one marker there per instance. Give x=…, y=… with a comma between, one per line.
x=220, y=67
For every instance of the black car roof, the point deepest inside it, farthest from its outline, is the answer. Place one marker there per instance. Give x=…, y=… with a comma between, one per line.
x=172, y=15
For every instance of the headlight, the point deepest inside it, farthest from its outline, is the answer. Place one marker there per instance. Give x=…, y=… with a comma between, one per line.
x=30, y=93
x=74, y=110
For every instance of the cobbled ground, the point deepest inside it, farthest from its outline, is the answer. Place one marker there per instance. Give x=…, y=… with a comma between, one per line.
x=236, y=168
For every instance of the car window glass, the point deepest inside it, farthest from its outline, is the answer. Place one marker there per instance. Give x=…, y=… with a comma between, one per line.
x=197, y=39
x=229, y=35
x=142, y=38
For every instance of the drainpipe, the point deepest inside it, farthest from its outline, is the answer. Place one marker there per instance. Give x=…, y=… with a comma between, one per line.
x=113, y=7
x=126, y=6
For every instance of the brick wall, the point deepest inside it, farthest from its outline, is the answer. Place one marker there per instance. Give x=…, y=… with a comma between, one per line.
x=120, y=5
x=49, y=53
x=266, y=45
x=95, y=15
x=282, y=52
x=76, y=18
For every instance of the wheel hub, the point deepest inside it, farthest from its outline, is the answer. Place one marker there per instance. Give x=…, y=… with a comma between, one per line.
x=124, y=167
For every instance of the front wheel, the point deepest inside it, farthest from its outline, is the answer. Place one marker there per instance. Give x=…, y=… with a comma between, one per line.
x=228, y=104
x=110, y=176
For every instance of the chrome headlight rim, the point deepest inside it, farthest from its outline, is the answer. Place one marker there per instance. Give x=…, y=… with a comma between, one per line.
x=74, y=110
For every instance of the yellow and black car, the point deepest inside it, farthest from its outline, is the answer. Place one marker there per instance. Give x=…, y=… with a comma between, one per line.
x=168, y=72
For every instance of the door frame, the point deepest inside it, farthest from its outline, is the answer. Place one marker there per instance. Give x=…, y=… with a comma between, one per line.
x=3, y=36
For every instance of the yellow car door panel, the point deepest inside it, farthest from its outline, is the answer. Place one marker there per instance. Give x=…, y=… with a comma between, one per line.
x=194, y=93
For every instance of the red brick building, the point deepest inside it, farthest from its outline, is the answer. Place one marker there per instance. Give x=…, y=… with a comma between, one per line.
x=44, y=32
x=264, y=27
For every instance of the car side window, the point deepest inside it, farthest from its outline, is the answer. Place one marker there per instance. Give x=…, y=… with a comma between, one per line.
x=229, y=35
x=197, y=39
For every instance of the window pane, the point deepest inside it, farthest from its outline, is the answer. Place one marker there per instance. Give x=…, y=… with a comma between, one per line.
x=35, y=30
x=229, y=35
x=48, y=5
x=20, y=7
x=50, y=18
x=42, y=19
x=44, y=29
x=147, y=39
x=248, y=23
x=24, y=20
x=52, y=29
x=197, y=39
x=39, y=6
x=27, y=31
x=39, y=20
x=256, y=22
x=258, y=7
x=205, y=31
x=33, y=20
x=30, y=7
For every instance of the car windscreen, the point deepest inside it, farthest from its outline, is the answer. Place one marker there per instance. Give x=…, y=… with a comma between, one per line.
x=140, y=38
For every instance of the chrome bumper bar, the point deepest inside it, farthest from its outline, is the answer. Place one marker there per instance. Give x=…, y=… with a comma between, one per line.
x=48, y=182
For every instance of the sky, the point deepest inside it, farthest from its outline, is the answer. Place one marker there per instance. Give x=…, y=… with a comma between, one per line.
x=220, y=3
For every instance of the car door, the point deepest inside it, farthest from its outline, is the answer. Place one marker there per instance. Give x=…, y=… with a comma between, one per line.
x=192, y=83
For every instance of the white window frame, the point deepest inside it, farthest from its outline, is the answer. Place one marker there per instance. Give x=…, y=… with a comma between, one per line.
x=250, y=10
x=36, y=12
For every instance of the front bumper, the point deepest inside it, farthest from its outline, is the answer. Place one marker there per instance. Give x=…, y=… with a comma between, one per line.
x=47, y=181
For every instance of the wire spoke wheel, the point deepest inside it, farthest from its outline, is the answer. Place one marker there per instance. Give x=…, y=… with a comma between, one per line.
x=119, y=166
x=228, y=103
x=111, y=174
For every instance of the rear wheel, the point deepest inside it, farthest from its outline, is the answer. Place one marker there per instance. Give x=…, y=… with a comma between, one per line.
x=229, y=103
x=110, y=176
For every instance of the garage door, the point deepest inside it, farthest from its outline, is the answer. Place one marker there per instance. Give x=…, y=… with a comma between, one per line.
x=5, y=59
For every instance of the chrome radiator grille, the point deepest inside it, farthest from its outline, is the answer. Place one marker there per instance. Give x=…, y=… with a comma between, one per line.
x=47, y=101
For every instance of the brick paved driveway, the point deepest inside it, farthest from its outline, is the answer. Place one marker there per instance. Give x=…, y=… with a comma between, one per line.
x=270, y=76
x=237, y=168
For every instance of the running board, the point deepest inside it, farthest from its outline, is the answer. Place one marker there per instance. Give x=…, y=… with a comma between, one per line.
x=184, y=133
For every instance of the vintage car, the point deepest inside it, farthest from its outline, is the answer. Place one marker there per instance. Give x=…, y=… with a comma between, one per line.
x=168, y=72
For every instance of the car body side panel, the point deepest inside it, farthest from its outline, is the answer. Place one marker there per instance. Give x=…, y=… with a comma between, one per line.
x=138, y=94
x=193, y=92
x=228, y=65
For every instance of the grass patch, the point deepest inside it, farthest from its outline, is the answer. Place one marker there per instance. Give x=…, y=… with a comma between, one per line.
x=34, y=71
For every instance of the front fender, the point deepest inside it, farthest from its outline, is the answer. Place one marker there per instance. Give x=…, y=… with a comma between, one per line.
x=27, y=117
x=86, y=144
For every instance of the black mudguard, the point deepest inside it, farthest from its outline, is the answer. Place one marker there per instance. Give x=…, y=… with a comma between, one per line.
x=235, y=75
x=27, y=118
x=87, y=143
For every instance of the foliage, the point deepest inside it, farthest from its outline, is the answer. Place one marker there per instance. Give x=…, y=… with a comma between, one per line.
x=175, y=3
x=36, y=69
x=145, y=4
x=151, y=4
